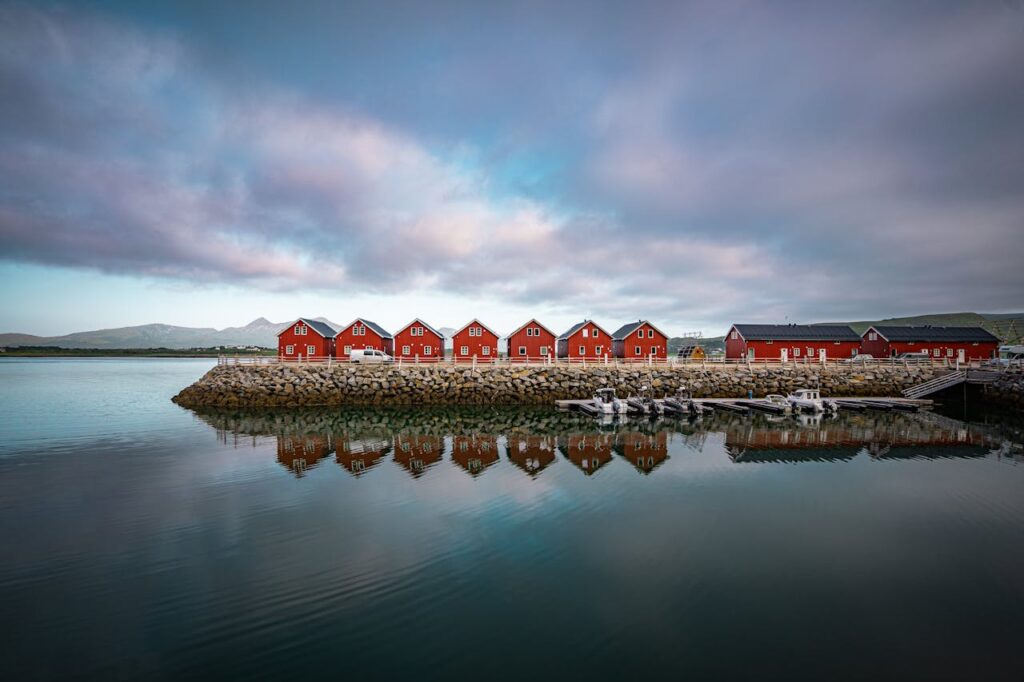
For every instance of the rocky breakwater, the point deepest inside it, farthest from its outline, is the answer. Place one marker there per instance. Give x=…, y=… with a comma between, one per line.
x=1007, y=391
x=281, y=385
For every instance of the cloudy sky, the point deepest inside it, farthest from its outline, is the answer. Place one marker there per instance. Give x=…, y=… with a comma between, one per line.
x=698, y=163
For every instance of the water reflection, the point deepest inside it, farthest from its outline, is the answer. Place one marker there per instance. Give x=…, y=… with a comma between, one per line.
x=533, y=440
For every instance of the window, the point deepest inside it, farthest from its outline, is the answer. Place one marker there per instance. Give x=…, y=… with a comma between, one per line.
x=543, y=350
x=937, y=352
x=769, y=342
x=536, y=331
x=872, y=336
x=636, y=350
x=416, y=331
x=585, y=332
x=796, y=352
x=289, y=350
x=583, y=350
x=949, y=352
x=597, y=349
x=310, y=350
x=650, y=333
x=595, y=333
x=487, y=350
x=472, y=331
x=348, y=349
x=405, y=350
x=654, y=350
x=734, y=335
x=300, y=330
x=428, y=350
x=640, y=334
x=464, y=350
x=810, y=351
x=522, y=350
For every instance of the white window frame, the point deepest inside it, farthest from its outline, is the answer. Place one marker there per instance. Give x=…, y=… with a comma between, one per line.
x=486, y=350
x=796, y=352
x=522, y=350
x=406, y=350
x=428, y=350
x=586, y=332
x=637, y=350
x=310, y=351
x=598, y=350
x=463, y=350
x=937, y=352
x=949, y=352
x=583, y=350
x=872, y=336
x=544, y=350
x=289, y=349
x=301, y=329
x=596, y=333
x=348, y=350
x=650, y=333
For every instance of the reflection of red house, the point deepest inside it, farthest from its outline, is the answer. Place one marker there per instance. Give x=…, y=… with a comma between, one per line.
x=645, y=451
x=639, y=340
x=305, y=339
x=474, y=341
x=417, y=453
x=299, y=453
x=361, y=334
x=791, y=342
x=475, y=453
x=588, y=451
x=531, y=342
x=950, y=343
x=531, y=453
x=419, y=342
x=360, y=454
x=585, y=341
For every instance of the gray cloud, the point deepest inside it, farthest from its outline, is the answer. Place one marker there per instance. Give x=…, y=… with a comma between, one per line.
x=704, y=161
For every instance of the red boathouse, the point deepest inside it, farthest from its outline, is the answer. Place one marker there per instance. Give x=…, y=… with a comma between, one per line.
x=639, y=341
x=306, y=339
x=585, y=341
x=361, y=334
x=951, y=343
x=419, y=342
x=533, y=341
x=474, y=341
x=791, y=342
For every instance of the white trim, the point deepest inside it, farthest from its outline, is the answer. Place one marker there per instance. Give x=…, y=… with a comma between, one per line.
x=532, y=321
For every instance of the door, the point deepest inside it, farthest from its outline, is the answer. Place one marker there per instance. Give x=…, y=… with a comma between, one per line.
x=784, y=355
x=961, y=356
x=821, y=355
x=750, y=353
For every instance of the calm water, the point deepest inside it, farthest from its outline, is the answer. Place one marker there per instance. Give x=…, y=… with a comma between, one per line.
x=143, y=541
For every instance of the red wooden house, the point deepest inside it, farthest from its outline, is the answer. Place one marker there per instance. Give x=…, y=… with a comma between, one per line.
x=416, y=453
x=950, y=343
x=645, y=451
x=474, y=341
x=639, y=341
x=475, y=453
x=420, y=342
x=531, y=453
x=532, y=341
x=306, y=339
x=361, y=334
x=791, y=342
x=585, y=341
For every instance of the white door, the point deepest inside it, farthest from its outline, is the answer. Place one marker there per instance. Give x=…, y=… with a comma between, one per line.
x=821, y=355
x=784, y=355
x=961, y=356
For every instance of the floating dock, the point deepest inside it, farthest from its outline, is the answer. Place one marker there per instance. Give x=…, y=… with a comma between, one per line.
x=745, y=405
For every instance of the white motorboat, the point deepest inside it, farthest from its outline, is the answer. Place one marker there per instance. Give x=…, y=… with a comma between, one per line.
x=607, y=402
x=684, y=402
x=643, y=402
x=776, y=400
x=809, y=400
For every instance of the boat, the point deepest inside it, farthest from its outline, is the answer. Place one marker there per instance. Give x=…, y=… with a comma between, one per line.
x=683, y=402
x=776, y=400
x=644, y=402
x=606, y=402
x=809, y=400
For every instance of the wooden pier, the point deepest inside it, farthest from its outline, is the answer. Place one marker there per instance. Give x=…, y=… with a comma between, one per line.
x=745, y=405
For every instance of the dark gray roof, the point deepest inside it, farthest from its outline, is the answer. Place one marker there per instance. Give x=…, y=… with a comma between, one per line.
x=797, y=332
x=573, y=329
x=630, y=327
x=379, y=330
x=322, y=328
x=929, y=333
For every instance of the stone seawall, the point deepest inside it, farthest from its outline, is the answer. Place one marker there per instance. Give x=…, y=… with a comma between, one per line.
x=312, y=385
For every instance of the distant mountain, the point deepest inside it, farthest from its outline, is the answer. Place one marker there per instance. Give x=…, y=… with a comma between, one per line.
x=1007, y=326
x=259, y=332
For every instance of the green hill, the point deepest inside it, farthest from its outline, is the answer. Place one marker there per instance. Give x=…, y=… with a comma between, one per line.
x=1007, y=326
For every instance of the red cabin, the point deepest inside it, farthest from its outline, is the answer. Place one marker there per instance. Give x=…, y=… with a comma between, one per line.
x=305, y=339
x=475, y=453
x=585, y=341
x=474, y=341
x=791, y=342
x=532, y=341
x=419, y=342
x=640, y=341
x=950, y=343
x=361, y=334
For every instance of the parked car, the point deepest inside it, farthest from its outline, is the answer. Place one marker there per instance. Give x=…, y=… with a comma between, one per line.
x=918, y=356
x=861, y=357
x=369, y=355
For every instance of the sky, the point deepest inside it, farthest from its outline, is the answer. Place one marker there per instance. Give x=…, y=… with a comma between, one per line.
x=692, y=163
